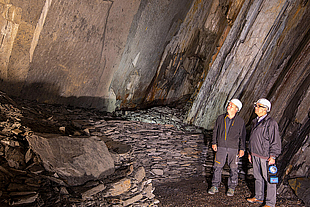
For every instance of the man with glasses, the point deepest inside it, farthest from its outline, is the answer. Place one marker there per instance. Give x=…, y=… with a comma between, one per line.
x=264, y=148
x=228, y=141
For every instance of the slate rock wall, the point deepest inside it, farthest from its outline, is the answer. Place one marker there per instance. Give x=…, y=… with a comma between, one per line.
x=155, y=24
x=119, y=54
x=264, y=55
x=56, y=51
x=85, y=53
x=188, y=57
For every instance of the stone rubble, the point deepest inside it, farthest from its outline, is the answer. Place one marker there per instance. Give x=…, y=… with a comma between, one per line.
x=24, y=180
x=148, y=147
x=166, y=153
x=143, y=153
x=195, y=144
x=160, y=115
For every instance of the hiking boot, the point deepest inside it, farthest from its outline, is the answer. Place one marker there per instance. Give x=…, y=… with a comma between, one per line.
x=254, y=200
x=213, y=190
x=230, y=192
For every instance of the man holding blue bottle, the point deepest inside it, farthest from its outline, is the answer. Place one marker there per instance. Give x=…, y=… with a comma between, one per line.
x=264, y=148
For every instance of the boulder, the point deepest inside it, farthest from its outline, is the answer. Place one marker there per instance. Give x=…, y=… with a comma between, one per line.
x=75, y=159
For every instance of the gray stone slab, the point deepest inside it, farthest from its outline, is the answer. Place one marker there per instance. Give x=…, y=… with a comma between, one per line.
x=76, y=160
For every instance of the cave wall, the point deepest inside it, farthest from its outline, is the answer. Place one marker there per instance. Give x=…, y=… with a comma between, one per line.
x=155, y=24
x=63, y=52
x=265, y=54
x=188, y=56
x=56, y=51
x=110, y=54
x=256, y=61
x=131, y=54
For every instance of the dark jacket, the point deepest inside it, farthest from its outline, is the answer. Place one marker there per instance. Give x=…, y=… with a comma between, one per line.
x=265, y=139
x=235, y=138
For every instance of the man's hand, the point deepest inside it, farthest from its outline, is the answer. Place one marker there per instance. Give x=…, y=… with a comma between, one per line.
x=271, y=161
x=250, y=158
x=241, y=153
x=214, y=147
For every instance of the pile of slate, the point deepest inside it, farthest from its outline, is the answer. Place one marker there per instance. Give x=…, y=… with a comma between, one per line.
x=163, y=115
x=166, y=153
x=56, y=156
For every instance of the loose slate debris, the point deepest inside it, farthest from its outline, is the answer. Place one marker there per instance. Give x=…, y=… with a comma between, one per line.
x=34, y=138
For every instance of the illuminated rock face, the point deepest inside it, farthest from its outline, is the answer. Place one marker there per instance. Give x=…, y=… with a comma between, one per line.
x=143, y=53
x=56, y=51
x=257, y=60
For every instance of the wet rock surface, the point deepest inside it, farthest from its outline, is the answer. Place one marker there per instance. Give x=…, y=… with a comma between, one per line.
x=158, y=160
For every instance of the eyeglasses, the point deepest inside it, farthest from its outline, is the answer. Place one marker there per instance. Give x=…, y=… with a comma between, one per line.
x=259, y=106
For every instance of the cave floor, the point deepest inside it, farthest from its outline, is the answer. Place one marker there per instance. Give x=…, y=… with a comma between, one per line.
x=192, y=192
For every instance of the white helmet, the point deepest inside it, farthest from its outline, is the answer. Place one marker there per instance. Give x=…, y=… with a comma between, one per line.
x=265, y=102
x=237, y=103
